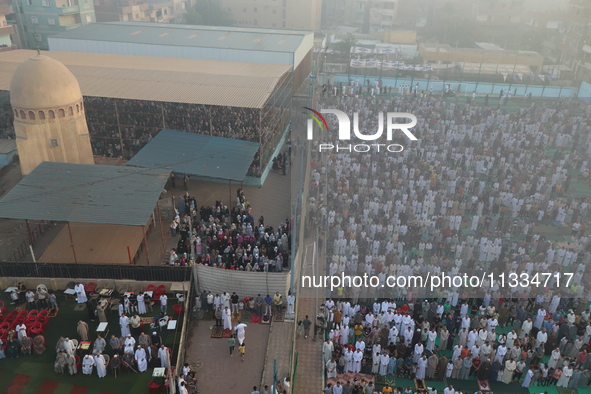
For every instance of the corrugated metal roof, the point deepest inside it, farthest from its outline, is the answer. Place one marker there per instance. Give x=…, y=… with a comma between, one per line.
x=86, y=193
x=274, y=40
x=206, y=82
x=197, y=154
x=7, y=146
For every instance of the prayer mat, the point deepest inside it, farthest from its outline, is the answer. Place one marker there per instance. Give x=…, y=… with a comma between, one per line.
x=279, y=316
x=236, y=317
x=48, y=387
x=483, y=385
x=217, y=332
x=147, y=320
x=17, y=385
x=80, y=307
x=53, y=312
x=255, y=318
x=266, y=319
x=420, y=384
x=21, y=307
x=227, y=333
x=351, y=376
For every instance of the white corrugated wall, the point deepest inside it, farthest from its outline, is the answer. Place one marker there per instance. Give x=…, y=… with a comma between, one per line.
x=179, y=52
x=243, y=283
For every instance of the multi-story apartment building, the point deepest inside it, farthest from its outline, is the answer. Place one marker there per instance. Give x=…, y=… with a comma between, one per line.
x=285, y=14
x=6, y=30
x=38, y=19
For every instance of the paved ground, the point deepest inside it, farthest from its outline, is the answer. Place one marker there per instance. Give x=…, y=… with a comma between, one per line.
x=279, y=348
x=221, y=373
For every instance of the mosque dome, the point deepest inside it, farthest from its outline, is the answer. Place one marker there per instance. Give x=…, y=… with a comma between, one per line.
x=42, y=82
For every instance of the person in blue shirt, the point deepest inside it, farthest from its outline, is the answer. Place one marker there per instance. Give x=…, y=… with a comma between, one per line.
x=268, y=305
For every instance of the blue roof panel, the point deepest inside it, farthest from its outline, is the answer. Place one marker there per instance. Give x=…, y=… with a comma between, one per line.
x=197, y=154
x=86, y=193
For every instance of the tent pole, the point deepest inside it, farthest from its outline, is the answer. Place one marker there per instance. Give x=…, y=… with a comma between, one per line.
x=72, y=244
x=160, y=220
x=230, y=192
x=146, y=244
x=29, y=232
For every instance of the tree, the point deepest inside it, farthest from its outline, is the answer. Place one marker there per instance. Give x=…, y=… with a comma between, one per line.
x=207, y=12
x=344, y=46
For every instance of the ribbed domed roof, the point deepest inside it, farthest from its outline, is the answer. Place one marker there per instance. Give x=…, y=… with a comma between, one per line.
x=42, y=82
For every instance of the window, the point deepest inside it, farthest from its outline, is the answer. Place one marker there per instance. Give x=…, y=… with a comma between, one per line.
x=51, y=114
x=255, y=9
x=16, y=113
x=70, y=111
x=31, y=115
x=30, y=2
x=34, y=20
x=53, y=143
x=51, y=21
x=88, y=18
x=61, y=113
x=165, y=11
x=46, y=3
x=41, y=115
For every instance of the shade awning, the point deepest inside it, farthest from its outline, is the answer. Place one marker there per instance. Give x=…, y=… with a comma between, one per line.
x=197, y=154
x=86, y=193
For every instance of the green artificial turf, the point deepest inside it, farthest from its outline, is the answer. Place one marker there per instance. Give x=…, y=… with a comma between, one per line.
x=40, y=367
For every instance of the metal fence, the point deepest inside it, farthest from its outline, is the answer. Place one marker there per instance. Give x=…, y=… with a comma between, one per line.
x=82, y=271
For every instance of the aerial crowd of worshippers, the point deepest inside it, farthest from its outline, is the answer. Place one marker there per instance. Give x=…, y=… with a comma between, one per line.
x=243, y=245
x=132, y=351
x=471, y=196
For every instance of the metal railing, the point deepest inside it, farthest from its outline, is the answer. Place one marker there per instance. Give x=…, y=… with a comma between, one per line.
x=94, y=271
x=35, y=232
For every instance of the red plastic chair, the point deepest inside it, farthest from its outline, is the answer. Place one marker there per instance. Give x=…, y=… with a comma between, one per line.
x=36, y=329
x=78, y=362
x=90, y=288
x=177, y=309
x=154, y=387
x=43, y=320
x=11, y=317
x=33, y=312
x=21, y=318
x=158, y=292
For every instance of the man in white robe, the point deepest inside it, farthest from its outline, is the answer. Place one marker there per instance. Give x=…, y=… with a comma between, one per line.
x=241, y=332
x=164, y=356
x=87, y=365
x=101, y=365
x=80, y=293
x=124, y=324
x=384, y=361
x=227, y=318
x=141, y=359
x=421, y=368
x=357, y=357
x=290, y=304
x=141, y=304
x=349, y=360
x=129, y=344
x=69, y=347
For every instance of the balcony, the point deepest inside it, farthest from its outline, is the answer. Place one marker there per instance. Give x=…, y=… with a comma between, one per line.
x=68, y=10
